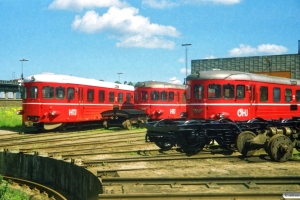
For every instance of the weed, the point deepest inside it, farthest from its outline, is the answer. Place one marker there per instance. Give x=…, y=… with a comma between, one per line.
x=6, y=192
x=9, y=117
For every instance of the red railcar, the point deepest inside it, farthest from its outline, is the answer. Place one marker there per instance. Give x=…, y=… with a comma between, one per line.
x=234, y=95
x=160, y=100
x=51, y=101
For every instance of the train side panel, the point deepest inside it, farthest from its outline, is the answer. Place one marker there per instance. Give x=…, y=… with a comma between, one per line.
x=160, y=100
x=241, y=96
x=49, y=104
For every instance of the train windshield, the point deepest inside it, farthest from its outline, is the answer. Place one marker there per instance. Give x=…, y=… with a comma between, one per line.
x=164, y=96
x=144, y=95
x=23, y=90
x=171, y=96
x=155, y=95
x=33, y=92
x=48, y=92
x=198, y=91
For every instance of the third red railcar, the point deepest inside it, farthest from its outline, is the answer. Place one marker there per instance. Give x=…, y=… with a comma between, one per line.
x=234, y=95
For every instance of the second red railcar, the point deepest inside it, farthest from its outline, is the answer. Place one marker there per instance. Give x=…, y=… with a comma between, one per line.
x=160, y=100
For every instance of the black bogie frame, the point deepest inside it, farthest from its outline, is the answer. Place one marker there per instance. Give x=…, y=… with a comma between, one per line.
x=277, y=137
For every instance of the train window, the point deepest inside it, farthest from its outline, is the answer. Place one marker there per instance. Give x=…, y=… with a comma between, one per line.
x=276, y=94
x=263, y=93
x=120, y=97
x=297, y=95
x=111, y=97
x=33, y=92
x=90, y=95
x=198, y=91
x=288, y=95
x=128, y=97
x=214, y=91
x=240, y=91
x=171, y=96
x=71, y=92
x=60, y=92
x=164, y=96
x=144, y=95
x=101, y=96
x=228, y=91
x=155, y=95
x=23, y=90
x=2, y=95
x=48, y=92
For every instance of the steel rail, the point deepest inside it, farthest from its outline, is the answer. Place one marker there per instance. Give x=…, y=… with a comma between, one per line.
x=251, y=187
x=43, y=189
x=160, y=158
x=63, y=139
x=198, y=196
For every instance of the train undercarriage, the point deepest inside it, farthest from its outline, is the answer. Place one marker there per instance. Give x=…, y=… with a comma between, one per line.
x=277, y=137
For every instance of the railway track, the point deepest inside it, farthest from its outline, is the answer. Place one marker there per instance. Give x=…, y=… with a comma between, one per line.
x=199, y=188
x=35, y=190
x=118, y=156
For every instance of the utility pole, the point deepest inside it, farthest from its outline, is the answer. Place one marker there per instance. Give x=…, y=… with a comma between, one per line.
x=186, y=59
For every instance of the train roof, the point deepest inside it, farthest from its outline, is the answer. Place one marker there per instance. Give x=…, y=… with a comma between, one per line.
x=236, y=75
x=58, y=78
x=158, y=84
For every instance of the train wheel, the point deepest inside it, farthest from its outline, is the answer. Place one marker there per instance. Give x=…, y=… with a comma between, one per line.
x=105, y=124
x=79, y=126
x=165, y=143
x=241, y=145
x=280, y=148
x=194, y=148
x=127, y=124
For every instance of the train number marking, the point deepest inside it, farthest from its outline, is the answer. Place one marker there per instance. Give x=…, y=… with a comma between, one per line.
x=73, y=112
x=173, y=111
x=242, y=112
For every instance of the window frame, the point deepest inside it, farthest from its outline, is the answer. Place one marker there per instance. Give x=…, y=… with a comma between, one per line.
x=262, y=96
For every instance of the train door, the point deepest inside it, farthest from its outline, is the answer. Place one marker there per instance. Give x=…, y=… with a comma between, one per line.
x=252, y=100
x=80, y=111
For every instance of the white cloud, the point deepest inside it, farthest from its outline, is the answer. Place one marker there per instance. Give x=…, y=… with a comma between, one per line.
x=263, y=48
x=183, y=70
x=226, y=2
x=210, y=57
x=159, y=3
x=131, y=29
x=174, y=80
x=82, y=4
x=145, y=42
x=181, y=60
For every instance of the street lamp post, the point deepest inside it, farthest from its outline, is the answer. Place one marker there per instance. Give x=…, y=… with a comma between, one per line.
x=119, y=75
x=186, y=58
x=22, y=67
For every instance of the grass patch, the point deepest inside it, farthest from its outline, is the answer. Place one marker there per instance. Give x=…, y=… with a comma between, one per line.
x=7, y=192
x=9, y=120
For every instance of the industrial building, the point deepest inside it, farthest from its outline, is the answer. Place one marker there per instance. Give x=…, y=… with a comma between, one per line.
x=10, y=93
x=287, y=65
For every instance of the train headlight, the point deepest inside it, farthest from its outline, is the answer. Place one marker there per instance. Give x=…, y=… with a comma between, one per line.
x=160, y=112
x=183, y=115
x=54, y=113
x=20, y=112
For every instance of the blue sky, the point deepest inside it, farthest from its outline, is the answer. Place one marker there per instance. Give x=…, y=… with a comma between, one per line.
x=140, y=38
